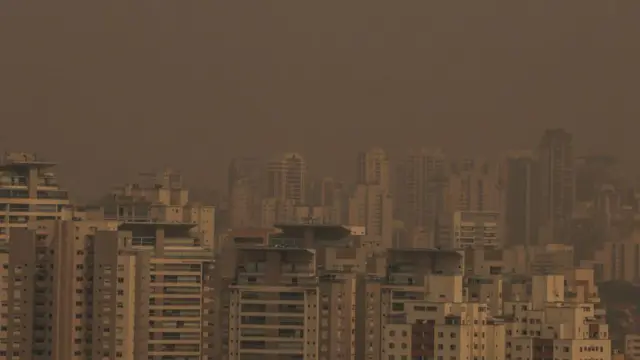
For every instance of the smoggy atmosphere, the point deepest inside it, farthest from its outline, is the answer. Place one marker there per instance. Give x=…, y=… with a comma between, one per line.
x=108, y=89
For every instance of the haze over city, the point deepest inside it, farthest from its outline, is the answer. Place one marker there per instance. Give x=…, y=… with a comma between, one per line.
x=278, y=180
x=107, y=88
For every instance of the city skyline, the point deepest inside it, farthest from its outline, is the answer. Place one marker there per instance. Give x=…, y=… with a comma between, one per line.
x=219, y=189
x=275, y=180
x=213, y=72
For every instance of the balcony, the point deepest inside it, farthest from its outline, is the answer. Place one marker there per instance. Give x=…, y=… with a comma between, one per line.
x=14, y=181
x=53, y=194
x=143, y=241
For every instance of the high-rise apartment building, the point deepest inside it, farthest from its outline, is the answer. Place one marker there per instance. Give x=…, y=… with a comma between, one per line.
x=284, y=304
x=469, y=229
x=420, y=193
x=475, y=186
x=522, y=200
x=331, y=197
x=245, y=192
x=5, y=347
x=373, y=168
x=107, y=290
x=51, y=289
x=370, y=203
x=286, y=188
x=557, y=185
x=29, y=191
x=287, y=178
x=371, y=206
x=275, y=211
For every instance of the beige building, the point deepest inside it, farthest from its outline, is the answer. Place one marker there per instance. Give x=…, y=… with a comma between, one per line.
x=286, y=188
x=469, y=229
x=420, y=188
x=158, y=197
x=619, y=260
x=107, y=290
x=277, y=211
x=373, y=168
x=332, y=196
x=50, y=287
x=245, y=186
x=29, y=191
x=283, y=303
x=287, y=178
x=5, y=346
x=371, y=206
x=556, y=319
x=632, y=347
x=475, y=186
x=544, y=259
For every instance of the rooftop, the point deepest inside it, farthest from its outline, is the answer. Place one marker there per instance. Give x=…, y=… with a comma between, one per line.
x=21, y=159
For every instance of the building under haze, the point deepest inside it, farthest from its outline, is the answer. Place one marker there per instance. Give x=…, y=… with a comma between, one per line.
x=287, y=178
x=286, y=188
x=420, y=189
x=557, y=185
x=373, y=168
x=371, y=206
x=522, y=199
x=29, y=191
x=245, y=187
x=474, y=186
x=158, y=197
x=107, y=290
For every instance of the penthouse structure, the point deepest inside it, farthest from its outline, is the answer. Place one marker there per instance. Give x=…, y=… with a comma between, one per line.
x=29, y=191
x=159, y=197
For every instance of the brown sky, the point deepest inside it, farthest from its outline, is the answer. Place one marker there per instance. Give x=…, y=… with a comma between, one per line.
x=111, y=87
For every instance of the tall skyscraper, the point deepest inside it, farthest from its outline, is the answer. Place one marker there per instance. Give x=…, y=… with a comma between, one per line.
x=286, y=178
x=555, y=154
x=522, y=201
x=286, y=188
x=371, y=206
x=373, y=168
x=474, y=186
x=370, y=203
x=327, y=201
x=107, y=290
x=420, y=185
x=245, y=192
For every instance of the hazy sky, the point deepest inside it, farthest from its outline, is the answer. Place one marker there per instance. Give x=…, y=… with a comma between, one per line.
x=108, y=88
